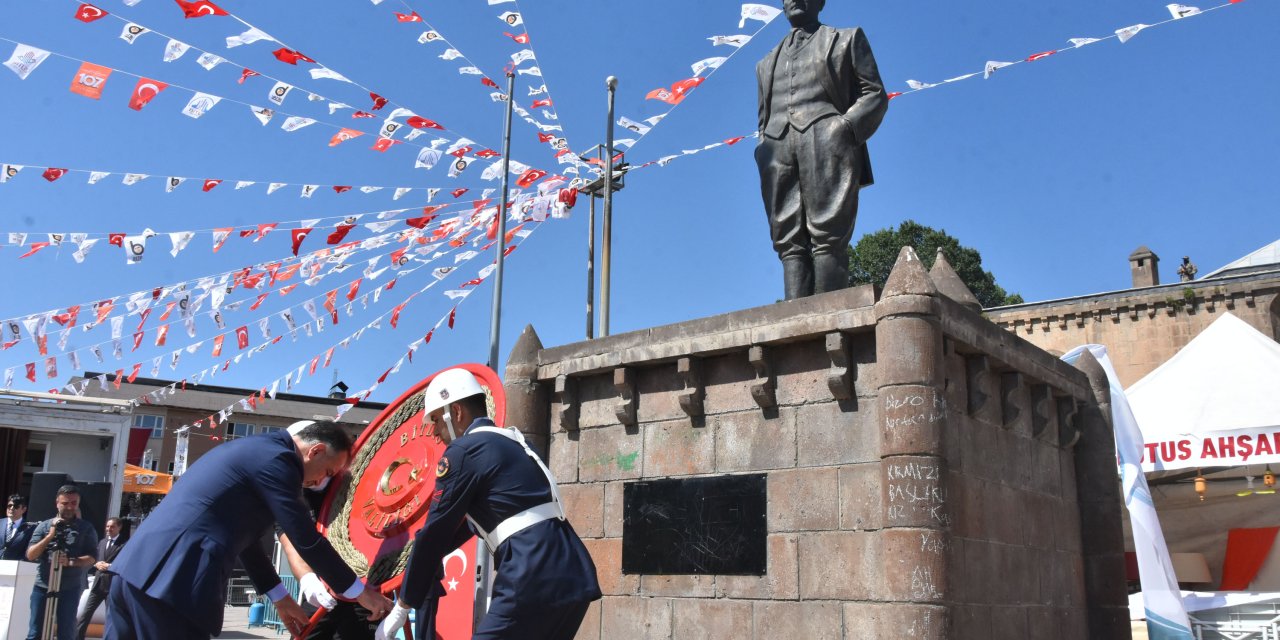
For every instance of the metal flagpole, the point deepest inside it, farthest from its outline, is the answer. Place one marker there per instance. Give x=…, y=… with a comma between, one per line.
x=606, y=244
x=482, y=550
x=591, y=268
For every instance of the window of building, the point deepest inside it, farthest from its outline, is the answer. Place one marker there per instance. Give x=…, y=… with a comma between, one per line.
x=239, y=430
x=37, y=458
x=153, y=464
x=268, y=429
x=154, y=423
x=170, y=468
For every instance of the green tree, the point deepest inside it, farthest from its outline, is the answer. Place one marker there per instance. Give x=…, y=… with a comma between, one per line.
x=871, y=260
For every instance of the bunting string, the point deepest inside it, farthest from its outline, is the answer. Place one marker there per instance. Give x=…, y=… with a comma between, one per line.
x=1123, y=35
x=27, y=58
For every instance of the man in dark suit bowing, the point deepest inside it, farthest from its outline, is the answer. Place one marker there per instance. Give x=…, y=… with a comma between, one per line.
x=820, y=98
x=15, y=534
x=108, y=548
x=171, y=579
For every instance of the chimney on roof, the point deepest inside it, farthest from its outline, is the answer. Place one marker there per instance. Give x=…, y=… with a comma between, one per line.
x=1144, y=265
x=338, y=390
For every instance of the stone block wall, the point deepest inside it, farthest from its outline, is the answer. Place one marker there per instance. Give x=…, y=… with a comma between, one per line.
x=923, y=469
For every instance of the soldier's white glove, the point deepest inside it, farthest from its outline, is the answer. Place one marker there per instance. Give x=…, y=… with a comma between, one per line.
x=312, y=589
x=391, y=625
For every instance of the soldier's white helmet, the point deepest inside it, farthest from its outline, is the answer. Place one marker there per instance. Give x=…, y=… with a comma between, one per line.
x=450, y=385
x=297, y=427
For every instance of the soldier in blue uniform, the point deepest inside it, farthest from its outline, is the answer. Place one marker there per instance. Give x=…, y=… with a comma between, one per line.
x=489, y=478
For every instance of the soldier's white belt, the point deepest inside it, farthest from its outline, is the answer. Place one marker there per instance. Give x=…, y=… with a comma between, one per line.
x=529, y=517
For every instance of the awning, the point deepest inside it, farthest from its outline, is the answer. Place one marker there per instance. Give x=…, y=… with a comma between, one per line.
x=140, y=480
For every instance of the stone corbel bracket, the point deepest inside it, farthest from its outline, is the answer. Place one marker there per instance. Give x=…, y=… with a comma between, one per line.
x=689, y=372
x=840, y=376
x=765, y=388
x=977, y=370
x=1044, y=414
x=1010, y=407
x=566, y=394
x=624, y=380
x=1068, y=429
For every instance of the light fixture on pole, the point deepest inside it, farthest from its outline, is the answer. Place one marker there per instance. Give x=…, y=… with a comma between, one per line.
x=1202, y=485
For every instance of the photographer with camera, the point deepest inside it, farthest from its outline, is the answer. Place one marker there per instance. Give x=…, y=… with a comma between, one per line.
x=65, y=546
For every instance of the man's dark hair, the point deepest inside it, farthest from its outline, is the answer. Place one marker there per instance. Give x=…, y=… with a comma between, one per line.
x=68, y=489
x=113, y=519
x=328, y=433
x=476, y=405
x=17, y=500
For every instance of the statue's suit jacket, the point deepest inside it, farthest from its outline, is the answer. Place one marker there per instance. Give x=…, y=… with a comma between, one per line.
x=217, y=512
x=842, y=61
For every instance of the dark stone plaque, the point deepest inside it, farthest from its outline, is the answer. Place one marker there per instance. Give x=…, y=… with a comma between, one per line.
x=695, y=526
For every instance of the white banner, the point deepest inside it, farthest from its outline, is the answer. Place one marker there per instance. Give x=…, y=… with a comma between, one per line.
x=1230, y=448
x=180, y=453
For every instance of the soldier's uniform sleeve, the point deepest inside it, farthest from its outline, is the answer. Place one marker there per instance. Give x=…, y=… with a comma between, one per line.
x=458, y=477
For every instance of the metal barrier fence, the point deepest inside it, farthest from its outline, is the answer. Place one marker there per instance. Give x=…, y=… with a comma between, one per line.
x=272, y=618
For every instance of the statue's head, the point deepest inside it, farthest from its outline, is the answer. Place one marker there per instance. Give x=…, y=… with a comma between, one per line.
x=802, y=12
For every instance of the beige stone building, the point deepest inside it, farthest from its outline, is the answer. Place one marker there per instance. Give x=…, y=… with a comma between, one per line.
x=1144, y=326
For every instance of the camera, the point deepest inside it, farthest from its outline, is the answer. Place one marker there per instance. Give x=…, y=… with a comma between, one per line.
x=63, y=536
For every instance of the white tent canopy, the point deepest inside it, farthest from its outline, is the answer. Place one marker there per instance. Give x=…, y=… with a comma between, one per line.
x=1214, y=403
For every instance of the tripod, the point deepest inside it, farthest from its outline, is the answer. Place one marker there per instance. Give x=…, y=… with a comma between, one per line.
x=49, y=630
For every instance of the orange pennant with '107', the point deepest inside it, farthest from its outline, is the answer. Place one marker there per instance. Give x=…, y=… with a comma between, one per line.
x=90, y=80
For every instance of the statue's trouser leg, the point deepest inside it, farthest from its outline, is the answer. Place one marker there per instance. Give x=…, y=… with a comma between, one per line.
x=780, y=188
x=829, y=164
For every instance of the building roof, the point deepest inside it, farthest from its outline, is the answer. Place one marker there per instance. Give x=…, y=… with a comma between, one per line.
x=1265, y=258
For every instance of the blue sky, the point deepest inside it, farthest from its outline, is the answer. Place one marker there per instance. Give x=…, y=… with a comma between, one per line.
x=1055, y=170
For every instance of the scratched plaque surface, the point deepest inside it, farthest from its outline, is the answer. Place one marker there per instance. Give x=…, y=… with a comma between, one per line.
x=695, y=526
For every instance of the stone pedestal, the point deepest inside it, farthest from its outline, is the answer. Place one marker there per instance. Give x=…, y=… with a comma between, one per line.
x=928, y=474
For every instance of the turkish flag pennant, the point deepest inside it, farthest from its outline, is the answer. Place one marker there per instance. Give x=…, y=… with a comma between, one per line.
x=381, y=379
x=53, y=173
x=51, y=368
x=685, y=86
x=133, y=375
x=397, y=257
x=247, y=73
x=461, y=151
x=339, y=233
x=119, y=377
x=137, y=340
x=733, y=141
x=354, y=290
x=68, y=319
x=474, y=282
x=35, y=246
x=1037, y=56
x=545, y=102
x=168, y=309
x=378, y=101
x=383, y=144
x=258, y=302
x=298, y=236
x=242, y=337
x=412, y=17
x=244, y=233
x=457, y=193
x=289, y=56
x=200, y=9
x=418, y=122
x=343, y=135
x=529, y=177
x=488, y=83
x=103, y=309
x=31, y=371
x=545, y=137
x=391, y=285
x=362, y=114
x=568, y=196
x=88, y=13
x=340, y=189
x=419, y=223
x=487, y=153
x=331, y=304
x=522, y=38
x=395, y=314
x=116, y=238
x=144, y=92
x=162, y=332
x=511, y=234
x=453, y=313
x=509, y=250
x=208, y=186
x=426, y=340
x=893, y=94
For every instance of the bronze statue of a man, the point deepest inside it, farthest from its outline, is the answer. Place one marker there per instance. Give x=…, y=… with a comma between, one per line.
x=820, y=100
